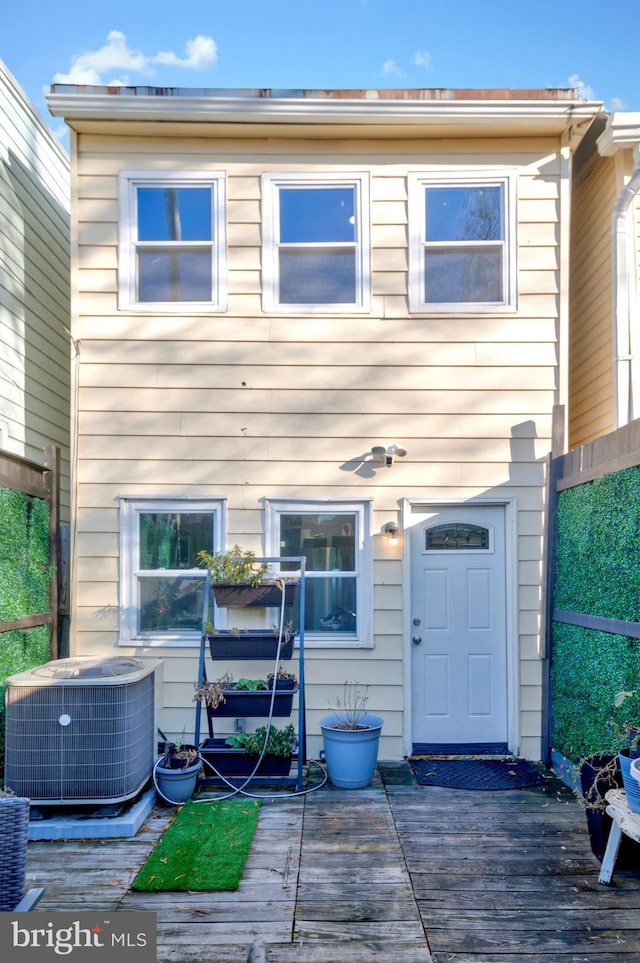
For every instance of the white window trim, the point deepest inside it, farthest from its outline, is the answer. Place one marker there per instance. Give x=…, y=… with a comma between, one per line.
x=130, y=508
x=127, y=240
x=417, y=230
x=364, y=587
x=271, y=185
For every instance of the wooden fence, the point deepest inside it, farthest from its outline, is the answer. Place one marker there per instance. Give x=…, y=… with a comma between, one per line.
x=41, y=481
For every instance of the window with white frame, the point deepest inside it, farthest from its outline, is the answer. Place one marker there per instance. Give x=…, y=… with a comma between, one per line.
x=172, y=241
x=316, y=242
x=162, y=582
x=334, y=540
x=462, y=242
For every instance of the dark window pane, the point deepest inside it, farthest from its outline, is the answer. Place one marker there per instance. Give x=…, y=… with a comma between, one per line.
x=309, y=214
x=317, y=277
x=171, y=604
x=456, y=535
x=174, y=214
x=330, y=605
x=173, y=540
x=327, y=542
x=460, y=276
x=174, y=276
x=464, y=214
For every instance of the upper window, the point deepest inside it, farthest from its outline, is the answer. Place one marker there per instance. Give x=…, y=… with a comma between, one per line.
x=162, y=582
x=333, y=538
x=172, y=247
x=462, y=243
x=316, y=245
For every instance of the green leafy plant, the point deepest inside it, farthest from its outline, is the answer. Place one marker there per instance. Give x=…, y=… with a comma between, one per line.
x=250, y=685
x=280, y=742
x=238, y=566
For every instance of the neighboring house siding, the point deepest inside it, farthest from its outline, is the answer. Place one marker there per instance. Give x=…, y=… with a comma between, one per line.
x=248, y=406
x=591, y=387
x=34, y=285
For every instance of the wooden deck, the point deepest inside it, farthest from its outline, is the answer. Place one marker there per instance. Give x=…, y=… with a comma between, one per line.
x=396, y=873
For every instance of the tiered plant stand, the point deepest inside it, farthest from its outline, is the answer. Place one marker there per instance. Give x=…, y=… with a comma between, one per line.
x=235, y=765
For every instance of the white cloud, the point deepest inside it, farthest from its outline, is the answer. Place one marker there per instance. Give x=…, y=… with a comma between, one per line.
x=116, y=56
x=584, y=90
x=616, y=103
x=391, y=69
x=423, y=59
x=201, y=52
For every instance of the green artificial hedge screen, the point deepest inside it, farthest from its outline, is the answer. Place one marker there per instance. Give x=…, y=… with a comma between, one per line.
x=597, y=573
x=25, y=575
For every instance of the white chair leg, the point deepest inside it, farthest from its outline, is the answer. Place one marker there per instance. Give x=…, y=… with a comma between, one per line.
x=610, y=855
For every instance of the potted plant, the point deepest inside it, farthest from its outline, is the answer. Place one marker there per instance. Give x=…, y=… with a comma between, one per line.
x=175, y=774
x=351, y=737
x=238, y=754
x=239, y=643
x=630, y=699
x=282, y=680
x=247, y=697
x=238, y=580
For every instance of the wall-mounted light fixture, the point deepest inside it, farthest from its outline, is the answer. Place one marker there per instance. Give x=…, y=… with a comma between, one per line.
x=388, y=453
x=392, y=532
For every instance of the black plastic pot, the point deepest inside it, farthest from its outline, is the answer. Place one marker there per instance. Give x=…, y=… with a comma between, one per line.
x=239, y=703
x=243, y=595
x=234, y=762
x=248, y=644
x=599, y=774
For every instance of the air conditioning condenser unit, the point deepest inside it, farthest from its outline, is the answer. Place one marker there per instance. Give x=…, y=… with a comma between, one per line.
x=81, y=730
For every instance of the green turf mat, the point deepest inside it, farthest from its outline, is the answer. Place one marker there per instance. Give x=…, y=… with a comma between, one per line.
x=203, y=849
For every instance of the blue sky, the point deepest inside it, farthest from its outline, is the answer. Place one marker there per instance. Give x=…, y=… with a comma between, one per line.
x=336, y=43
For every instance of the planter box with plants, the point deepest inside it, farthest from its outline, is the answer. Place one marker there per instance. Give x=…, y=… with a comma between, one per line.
x=239, y=581
x=248, y=697
x=237, y=755
x=249, y=643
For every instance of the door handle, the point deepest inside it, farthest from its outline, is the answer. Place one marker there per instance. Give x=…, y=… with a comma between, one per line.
x=416, y=639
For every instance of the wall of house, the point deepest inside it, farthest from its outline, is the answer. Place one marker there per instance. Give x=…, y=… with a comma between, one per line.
x=597, y=186
x=591, y=385
x=34, y=284
x=246, y=405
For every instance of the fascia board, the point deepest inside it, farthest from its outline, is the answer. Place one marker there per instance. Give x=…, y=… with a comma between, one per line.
x=108, y=107
x=622, y=132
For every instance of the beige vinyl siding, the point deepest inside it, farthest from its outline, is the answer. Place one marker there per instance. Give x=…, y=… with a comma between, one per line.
x=34, y=285
x=591, y=388
x=247, y=406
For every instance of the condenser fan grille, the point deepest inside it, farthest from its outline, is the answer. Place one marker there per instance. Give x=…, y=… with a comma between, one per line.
x=79, y=743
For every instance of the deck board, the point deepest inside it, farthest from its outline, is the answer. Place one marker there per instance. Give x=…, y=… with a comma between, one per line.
x=509, y=877
x=397, y=873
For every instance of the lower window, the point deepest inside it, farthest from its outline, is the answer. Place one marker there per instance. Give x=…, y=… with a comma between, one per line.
x=333, y=540
x=163, y=585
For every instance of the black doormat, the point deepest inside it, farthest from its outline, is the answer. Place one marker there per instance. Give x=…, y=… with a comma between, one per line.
x=477, y=773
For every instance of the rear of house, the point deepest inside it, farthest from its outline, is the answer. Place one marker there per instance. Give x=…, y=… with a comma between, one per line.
x=305, y=319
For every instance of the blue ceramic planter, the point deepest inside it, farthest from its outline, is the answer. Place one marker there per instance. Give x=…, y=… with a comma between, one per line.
x=351, y=754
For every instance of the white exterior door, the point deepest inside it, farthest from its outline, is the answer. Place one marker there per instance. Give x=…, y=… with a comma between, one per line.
x=458, y=628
